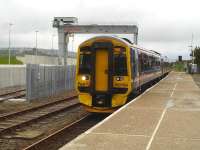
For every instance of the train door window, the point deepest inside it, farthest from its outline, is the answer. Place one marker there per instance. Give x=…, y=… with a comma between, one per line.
x=132, y=61
x=137, y=62
x=85, y=63
x=120, y=64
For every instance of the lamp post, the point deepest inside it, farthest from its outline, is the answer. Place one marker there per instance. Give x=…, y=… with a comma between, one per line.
x=9, y=42
x=52, y=38
x=36, y=42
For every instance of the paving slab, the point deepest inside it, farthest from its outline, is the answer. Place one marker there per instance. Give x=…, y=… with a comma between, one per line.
x=152, y=100
x=180, y=123
x=108, y=142
x=165, y=117
x=131, y=122
x=175, y=144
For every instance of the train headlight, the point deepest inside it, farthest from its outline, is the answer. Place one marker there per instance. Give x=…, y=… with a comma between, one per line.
x=85, y=77
x=119, y=78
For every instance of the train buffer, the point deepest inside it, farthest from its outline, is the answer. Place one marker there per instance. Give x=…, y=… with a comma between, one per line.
x=165, y=117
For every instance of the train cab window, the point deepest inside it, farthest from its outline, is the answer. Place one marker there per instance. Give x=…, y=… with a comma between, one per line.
x=85, y=63
x=120, y=65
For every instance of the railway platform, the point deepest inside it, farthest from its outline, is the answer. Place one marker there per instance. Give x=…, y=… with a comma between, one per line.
x=166, y=116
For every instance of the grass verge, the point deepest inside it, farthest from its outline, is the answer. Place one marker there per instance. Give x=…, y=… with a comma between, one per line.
x=13, y=60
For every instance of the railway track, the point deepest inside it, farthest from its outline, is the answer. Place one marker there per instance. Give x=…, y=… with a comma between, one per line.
x=12, y=94
x=68, y=133
x=59, y=138
x=16, y=120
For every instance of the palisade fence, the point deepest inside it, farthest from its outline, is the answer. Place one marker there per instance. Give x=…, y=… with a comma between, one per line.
x=47, y=80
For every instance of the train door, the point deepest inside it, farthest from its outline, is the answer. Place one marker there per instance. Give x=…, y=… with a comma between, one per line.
x=140, y=68
x=137, y=68
x=102, y=74
x=101, y=70
x=135, y=73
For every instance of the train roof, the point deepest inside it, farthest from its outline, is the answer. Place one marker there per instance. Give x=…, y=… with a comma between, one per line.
x=127, y=42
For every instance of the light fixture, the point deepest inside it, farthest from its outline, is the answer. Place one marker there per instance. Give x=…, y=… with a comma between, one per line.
x=83, y=78
x=119, y=78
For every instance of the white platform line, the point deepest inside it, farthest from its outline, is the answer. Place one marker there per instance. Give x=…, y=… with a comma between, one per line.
x=156, y=129
x=173, y=90
x=159, y=122
x=120, y=134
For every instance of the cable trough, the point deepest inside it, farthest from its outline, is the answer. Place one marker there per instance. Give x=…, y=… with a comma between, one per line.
x=12, y=94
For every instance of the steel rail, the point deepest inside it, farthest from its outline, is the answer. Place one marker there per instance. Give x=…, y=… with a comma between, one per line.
x=34, y=108
x=43, y=142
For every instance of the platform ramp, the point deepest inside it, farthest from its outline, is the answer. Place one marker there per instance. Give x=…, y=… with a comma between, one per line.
x=165, y=117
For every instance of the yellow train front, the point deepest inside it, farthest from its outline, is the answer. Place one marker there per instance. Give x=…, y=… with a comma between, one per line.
x=111, y=70
x=103, y=78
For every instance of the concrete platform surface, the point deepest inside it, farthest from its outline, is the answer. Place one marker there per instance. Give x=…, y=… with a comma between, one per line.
x=165, y=117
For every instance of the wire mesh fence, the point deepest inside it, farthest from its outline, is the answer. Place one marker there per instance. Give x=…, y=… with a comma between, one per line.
x=46, y=80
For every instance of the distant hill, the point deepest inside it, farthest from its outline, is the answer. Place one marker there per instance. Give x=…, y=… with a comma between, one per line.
x=20, y=51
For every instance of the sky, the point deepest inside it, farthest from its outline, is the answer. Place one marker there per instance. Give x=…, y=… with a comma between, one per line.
x=165, y=26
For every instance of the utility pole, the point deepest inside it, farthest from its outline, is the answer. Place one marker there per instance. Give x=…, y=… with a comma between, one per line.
x=192, y=48
x=192, y=51
x=9, y=42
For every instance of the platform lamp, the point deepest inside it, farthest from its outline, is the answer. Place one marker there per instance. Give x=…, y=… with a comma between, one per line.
x=9, y=42
x=52, y=40
x=36, y=32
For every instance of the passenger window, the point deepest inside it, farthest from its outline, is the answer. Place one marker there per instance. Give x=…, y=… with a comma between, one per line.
x=120, y=65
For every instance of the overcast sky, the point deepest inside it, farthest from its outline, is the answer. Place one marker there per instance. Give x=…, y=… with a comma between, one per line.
x=165, y=26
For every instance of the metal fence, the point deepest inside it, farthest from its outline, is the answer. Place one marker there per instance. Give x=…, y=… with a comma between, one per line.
x=12, y=75
x=45, y=80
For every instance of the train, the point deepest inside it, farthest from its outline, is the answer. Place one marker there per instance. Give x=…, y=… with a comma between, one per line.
x=110, y=70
